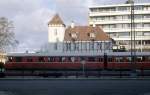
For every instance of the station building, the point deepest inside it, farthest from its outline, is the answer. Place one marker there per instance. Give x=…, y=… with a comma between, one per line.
x=77, y=39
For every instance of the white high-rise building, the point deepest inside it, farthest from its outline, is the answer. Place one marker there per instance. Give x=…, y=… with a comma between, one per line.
x=116, y=22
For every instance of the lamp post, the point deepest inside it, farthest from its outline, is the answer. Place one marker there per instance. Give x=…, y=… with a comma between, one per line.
x=133, y=50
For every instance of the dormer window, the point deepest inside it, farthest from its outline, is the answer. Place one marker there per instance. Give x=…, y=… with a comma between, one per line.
x=74, y=35
x=92, y=35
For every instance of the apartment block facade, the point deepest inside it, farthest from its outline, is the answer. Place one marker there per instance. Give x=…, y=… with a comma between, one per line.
x=115, y=20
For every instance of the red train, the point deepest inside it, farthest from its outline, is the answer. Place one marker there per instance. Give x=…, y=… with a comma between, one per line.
x=67, y=64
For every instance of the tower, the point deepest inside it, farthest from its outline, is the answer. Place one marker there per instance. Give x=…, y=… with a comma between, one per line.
x=56, y=30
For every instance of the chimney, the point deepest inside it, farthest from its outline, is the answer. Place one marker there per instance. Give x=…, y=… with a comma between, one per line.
x=72, y=24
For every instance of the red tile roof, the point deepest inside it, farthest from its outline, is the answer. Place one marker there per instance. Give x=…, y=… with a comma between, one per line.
x=85, y=33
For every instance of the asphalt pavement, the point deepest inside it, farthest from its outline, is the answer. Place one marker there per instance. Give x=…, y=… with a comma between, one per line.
x=74, y=86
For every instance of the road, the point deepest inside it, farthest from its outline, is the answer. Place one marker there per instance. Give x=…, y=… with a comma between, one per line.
x=74, y=87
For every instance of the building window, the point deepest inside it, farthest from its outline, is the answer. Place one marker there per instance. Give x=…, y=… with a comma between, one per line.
x=146, y=16
x=138, y=16
x=84, y=45
x=138, y=7
x=146, y=42
x=92, y=35
x=146, y=7
x=112, y=18
x=99, y=45
x=119, y=17
x=146, y=33
x=146, y=25
x=122, y=8
x=57, y=40
x=91, y=45
x=124, y=34
x=55, y=31
x=112, y=26
x=74, y=35
x=55, y=46
x=139, y=33
x=124, y=17
x=76, y=46
x=73, y=45
x=68, y=46
x=107, y=46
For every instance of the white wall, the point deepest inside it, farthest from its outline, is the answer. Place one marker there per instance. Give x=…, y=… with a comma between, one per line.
x=53, y=36
x=2, y=57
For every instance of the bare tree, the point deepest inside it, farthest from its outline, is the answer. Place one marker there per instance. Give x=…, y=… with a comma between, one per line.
x=7, y=37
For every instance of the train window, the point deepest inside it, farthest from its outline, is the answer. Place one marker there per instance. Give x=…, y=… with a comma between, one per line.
x=96, y=59
x=41, y=59
x=69, y=59
x=148, y=58
x=100, y=59
x=139, y=59
x=128, y=59
x=10, y=59
x=57, y=59
x=50, y=59
x=29, y=59
x=82, y=58
x=110, y=59
x=72, y=59
x=77, y=59
x=63, y=59
x=143, y=58
x=119, y=59
x=91, y=59
x=18, y=59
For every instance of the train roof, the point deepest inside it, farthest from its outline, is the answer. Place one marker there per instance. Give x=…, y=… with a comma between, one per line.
x=81, y=54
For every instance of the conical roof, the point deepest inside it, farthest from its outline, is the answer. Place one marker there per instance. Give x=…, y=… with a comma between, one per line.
x=56, y=20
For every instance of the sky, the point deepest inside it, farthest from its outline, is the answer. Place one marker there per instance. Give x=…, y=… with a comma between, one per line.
x=30, y=17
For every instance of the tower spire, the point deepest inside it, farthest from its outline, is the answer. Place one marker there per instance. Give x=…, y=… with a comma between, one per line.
x=56, y=20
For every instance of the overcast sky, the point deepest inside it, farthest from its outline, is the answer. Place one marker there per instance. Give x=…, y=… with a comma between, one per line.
x=30, y=17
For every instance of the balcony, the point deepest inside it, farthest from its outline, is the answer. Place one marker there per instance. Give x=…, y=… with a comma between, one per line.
x=111, y=13
x=129, y=37
x=109, y=30
x=139, y=47
x=118, y=21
